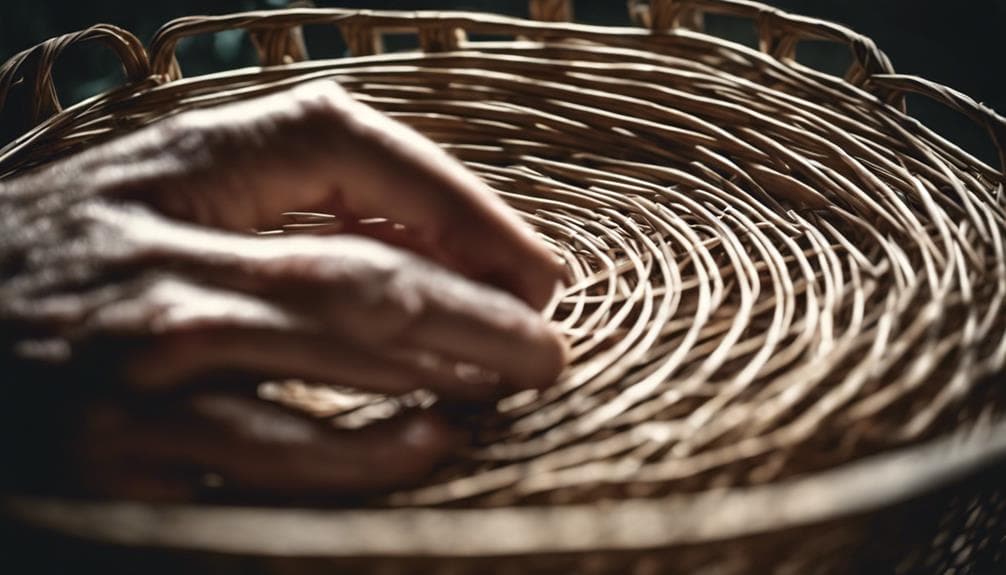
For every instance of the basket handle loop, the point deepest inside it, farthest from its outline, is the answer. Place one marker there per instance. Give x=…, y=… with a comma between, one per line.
x=279, y=45
x=276, y=35
x=33, y=66
x=278, y=38
x=665, y=14
x=779, y=32
x=899, y=84
x=551, y=10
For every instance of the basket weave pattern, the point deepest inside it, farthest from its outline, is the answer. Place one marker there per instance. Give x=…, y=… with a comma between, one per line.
x=773, y=271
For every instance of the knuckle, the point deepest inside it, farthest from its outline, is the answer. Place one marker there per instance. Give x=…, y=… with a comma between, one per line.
x=394, y=301
x=377, y=291
x=323, y=101
x=106, y=236
x=186, y=139
x=99, y=232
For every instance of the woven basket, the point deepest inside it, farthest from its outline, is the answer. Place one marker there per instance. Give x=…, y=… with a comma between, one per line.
x=786, y=301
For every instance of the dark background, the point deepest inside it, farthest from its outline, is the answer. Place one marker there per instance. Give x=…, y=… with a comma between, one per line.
x=959, y=44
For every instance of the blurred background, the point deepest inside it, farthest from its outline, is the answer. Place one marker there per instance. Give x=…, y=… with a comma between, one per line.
x=959, y=44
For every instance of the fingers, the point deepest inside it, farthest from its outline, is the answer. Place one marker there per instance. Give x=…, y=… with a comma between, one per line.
x=341, y=310
x=243, y=445
x=240, y=166
x=475, y=324
x=449, y=335
x=255, y=355
x=393, y=300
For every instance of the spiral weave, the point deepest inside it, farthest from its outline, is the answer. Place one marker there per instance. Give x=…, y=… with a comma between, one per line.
x=760, y=286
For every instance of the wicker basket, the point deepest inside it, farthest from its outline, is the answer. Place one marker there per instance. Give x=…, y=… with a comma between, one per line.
x=786, y=302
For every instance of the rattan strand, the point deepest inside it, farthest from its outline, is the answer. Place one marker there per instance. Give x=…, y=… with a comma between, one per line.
x=772, y=271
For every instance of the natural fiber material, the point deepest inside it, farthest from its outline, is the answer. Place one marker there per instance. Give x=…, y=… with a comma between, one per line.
x=773, y=271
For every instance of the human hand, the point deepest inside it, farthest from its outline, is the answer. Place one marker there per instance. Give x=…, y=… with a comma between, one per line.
x=130, y=274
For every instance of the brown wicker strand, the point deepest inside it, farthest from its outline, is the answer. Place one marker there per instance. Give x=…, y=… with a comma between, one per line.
x=35, y=65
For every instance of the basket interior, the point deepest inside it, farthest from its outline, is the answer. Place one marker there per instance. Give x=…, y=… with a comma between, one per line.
x=773, y=271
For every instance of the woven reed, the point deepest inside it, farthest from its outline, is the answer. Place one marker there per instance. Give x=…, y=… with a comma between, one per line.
x=773, y=271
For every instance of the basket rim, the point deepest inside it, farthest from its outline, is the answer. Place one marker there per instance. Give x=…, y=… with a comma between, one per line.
x=854, y=489
x=781, y=31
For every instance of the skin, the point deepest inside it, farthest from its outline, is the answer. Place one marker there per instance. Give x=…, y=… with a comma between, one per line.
x=137, y=300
